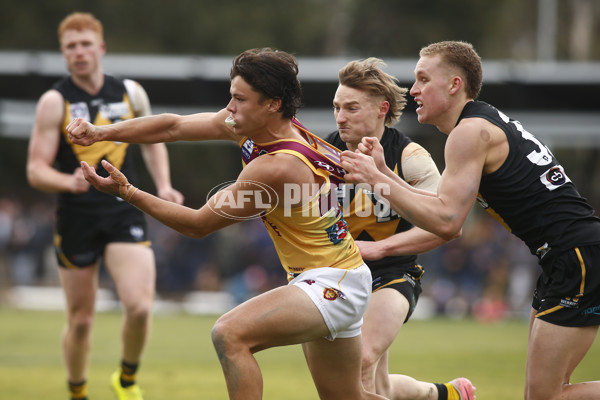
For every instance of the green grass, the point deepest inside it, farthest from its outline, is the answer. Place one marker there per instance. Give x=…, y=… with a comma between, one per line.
x=180, y=363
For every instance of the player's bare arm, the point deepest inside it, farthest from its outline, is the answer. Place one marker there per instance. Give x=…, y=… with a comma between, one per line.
x=370, y=146
x=229, y=206
x=413, y=241
x=156, y=158
x=278, y=170
x=444, y=214
x=190, y=222
x=43, y=146
x=419, y=169
x=160, y=128
x=420, y=172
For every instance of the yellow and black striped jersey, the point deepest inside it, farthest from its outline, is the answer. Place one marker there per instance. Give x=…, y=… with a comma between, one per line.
x=110, y=105
x=368, y=217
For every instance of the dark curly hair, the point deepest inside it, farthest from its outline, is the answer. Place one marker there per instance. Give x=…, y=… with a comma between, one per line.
x=272, y=73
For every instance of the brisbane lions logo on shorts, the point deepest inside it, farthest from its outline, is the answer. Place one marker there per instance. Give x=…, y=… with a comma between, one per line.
x=332, y=294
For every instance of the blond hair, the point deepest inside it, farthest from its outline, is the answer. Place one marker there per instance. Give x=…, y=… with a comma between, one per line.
x=368, y=75
x=460, y=55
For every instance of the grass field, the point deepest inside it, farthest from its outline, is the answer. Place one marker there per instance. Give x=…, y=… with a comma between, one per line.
x=180, y=363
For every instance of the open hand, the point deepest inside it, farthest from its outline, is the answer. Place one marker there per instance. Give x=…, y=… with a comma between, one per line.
x=115, y=184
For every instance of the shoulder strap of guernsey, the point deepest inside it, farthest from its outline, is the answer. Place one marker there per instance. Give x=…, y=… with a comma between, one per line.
x=318, y=152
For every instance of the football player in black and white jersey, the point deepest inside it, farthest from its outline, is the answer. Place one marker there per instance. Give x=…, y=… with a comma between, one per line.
x=367, y=103
x=492, y=158
x=92, y=225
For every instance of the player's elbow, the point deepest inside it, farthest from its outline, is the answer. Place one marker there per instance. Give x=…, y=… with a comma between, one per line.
x=32, y=176
x=193, y=231
x=31, y=179
x=449, y=231
x=196, y=234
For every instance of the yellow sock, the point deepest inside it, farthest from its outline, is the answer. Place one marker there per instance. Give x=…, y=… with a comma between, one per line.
x=128, y=373
x=78, y=390
x=452, y=392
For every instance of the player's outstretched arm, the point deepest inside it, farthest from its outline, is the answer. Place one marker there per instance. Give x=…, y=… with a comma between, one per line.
x=444, y=213
x=233, y=204
x=155, y=129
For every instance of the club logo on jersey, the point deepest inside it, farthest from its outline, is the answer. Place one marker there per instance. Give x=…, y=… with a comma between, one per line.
x=80, y=110
x=338, y=231
x=554, y=178
x=332, y=294
x=247, y=149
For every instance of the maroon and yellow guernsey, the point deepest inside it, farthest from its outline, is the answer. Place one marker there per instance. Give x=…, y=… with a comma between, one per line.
x=312, y=235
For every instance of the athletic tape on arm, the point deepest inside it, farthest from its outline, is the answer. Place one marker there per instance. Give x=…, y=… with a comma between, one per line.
x=420, y=168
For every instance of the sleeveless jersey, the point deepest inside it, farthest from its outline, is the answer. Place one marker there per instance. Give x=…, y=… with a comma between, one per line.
x=315, y=234
x=112, y=104
x=530, y=194
x=368, y=217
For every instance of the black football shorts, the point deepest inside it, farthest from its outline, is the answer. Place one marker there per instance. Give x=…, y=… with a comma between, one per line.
x=568, y=291
x=81, y=239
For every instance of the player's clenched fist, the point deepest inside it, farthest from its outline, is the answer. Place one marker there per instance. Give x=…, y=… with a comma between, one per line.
x=82, y=132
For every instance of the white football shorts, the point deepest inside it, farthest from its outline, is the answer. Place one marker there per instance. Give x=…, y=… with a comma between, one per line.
x=340, y=295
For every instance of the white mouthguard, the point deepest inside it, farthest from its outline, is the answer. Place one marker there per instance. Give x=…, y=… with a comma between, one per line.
x=229, y=121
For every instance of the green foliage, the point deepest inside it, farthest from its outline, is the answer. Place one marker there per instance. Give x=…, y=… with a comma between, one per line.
x=355, y=28
x=180, y=362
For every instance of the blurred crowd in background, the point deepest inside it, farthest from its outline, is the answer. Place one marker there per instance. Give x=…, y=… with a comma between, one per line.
x=487, y=274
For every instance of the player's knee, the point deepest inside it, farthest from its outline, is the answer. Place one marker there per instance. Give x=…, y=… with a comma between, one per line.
x=139, y=312
x=369, y=357
x=222, y=336
x=227, y=336
x=81, y=327
x=218, y=338
x=224, y=343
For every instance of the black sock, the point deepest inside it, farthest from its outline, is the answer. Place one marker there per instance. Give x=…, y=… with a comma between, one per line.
x=442, y=391
x=128, y=372
x=78, y=390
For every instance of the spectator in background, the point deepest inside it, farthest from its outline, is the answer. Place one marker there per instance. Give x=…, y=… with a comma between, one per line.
x=91, y=224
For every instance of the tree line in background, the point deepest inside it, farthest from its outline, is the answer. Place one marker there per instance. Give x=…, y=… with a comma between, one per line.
x=506, y=29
